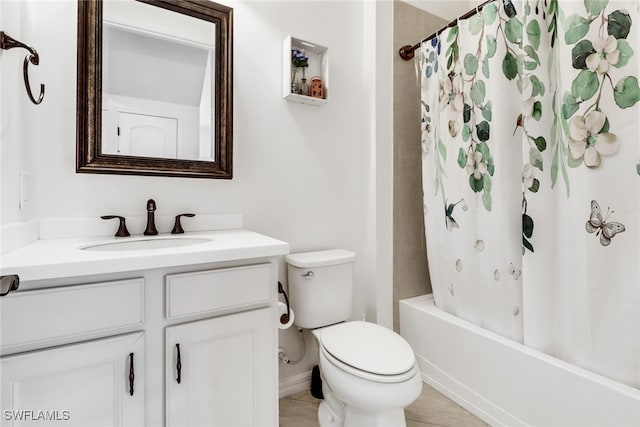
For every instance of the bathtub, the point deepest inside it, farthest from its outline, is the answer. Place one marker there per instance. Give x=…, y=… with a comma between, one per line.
x=506, y=383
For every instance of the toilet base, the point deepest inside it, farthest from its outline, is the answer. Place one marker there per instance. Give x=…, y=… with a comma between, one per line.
x=333, y=412
x=327, y=417
x=354, y=417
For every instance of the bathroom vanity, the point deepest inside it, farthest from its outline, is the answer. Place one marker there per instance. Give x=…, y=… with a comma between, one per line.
x=177, y=335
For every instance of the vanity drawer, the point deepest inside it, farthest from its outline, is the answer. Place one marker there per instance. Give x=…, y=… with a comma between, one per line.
x=57, y=315
x=211, y=291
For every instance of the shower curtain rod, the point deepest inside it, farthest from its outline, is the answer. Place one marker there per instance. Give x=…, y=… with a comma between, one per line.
x=406, y=52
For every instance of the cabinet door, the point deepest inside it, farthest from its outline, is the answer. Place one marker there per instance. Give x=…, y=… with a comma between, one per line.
x=84, y=385
x=228, y=371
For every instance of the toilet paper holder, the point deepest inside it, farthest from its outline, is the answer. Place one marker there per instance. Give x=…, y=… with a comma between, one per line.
x=285, y=317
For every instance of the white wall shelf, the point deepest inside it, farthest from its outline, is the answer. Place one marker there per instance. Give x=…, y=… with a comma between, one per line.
x=318, y=66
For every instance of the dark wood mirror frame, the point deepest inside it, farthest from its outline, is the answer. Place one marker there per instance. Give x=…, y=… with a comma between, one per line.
x=89, y=157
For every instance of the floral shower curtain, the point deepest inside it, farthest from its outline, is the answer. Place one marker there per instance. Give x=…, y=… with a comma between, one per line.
x=531, y=176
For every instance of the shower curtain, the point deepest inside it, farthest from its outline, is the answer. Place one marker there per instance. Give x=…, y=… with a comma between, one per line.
x=531, y=176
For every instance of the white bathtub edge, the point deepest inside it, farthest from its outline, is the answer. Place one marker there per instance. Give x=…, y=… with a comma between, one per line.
x=506, y=383
x=464, y=396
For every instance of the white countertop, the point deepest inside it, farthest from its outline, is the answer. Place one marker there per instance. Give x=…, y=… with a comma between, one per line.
x=60, y=258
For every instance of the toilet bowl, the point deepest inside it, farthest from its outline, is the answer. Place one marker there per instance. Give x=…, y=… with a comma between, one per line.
x=369, y=373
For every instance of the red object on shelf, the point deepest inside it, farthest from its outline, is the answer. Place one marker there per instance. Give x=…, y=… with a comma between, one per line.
x=317, y=89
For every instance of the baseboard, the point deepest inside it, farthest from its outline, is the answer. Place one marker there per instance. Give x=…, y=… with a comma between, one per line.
x=465, y=397
x=295, y=384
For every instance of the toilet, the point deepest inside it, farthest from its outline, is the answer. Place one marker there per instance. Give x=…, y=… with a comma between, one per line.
x=369, y=373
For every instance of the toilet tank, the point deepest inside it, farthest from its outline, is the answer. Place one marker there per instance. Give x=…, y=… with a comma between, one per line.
x=320, y=287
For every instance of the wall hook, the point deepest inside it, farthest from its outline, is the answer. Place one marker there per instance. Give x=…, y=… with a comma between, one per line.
x=7, y=42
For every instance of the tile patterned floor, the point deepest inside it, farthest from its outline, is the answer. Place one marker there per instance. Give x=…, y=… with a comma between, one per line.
x=431, y=409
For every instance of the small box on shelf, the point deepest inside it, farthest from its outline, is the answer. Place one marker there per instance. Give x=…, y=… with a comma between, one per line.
x=305, y=72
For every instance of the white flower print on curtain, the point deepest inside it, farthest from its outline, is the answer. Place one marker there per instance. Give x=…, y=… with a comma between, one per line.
x=582, y=290
x=531, y=177
x=471, y=181
x=588, y=141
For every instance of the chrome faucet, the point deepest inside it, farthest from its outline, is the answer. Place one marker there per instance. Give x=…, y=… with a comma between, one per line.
x=151, y=225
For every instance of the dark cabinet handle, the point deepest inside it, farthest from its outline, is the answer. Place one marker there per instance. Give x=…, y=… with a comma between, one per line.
x=131, y=374
x=9, y=283
x=178, y=364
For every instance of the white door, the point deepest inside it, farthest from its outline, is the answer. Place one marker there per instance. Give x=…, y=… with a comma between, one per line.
x=83, y=385
x=147, y=136
x=227, y=371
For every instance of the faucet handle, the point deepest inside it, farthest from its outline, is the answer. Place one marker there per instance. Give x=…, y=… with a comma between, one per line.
x=122, y=228
x=177, y=227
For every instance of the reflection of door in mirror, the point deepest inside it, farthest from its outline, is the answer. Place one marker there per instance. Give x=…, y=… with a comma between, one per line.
x=157, y=83
x=146, y=136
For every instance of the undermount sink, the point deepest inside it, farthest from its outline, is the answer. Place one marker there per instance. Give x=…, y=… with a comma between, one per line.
x=148, y=243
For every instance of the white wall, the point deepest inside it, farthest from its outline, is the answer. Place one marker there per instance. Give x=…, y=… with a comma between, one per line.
x=446, y=9
x=301, y=173
x=13, y=153
x=379, y=23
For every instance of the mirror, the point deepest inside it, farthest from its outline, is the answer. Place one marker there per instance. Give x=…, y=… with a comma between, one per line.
x=154, y=88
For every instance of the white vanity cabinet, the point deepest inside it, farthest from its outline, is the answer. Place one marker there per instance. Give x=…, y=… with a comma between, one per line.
x=220, y=371
x=54, y=374
x=96, y=383
x=82, y=322
x=106, y=353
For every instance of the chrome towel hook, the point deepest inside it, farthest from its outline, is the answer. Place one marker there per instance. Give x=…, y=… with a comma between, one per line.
x=7, y=42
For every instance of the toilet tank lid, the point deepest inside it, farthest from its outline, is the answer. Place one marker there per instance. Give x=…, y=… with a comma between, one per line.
x=320, y=258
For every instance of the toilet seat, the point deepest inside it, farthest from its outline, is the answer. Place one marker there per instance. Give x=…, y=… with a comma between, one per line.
x=352, y=370
x=368, y=351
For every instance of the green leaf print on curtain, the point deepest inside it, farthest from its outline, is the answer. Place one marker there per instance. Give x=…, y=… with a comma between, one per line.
x=532, y=117
x=601, y=58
